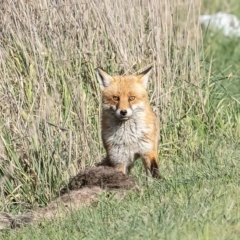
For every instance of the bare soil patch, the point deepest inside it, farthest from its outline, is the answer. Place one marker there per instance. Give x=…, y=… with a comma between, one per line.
x=82, y=190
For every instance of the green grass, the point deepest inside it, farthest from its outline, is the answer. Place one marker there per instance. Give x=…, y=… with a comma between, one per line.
x=197, y=200
x=49, y=117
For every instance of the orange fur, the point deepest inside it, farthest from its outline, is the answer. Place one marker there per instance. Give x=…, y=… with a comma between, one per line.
x=130, y=128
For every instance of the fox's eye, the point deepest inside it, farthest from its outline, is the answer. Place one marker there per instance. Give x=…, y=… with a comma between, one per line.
x=131, y=98
x=115, y=98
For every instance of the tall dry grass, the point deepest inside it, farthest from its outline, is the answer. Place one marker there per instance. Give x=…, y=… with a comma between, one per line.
x=50, y=101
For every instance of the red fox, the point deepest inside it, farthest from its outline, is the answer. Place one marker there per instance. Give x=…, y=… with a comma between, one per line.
x=130, y=128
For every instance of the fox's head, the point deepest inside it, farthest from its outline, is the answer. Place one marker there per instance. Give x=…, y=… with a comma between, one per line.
x=124, y=95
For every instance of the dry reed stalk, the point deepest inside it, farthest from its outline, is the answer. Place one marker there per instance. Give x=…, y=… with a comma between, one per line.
x=48, y=53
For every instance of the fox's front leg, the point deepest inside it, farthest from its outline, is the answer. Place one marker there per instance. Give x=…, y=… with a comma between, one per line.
x=119, y=167
x=150, y=161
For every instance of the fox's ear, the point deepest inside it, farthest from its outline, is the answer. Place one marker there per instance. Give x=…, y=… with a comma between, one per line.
x=104, y=78
x=144, y=76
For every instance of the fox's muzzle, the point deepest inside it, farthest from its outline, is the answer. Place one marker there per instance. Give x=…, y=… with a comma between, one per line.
x=124, y=114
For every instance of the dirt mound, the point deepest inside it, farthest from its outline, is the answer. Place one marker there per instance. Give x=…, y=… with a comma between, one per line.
x=82, y=190
x=102, y=176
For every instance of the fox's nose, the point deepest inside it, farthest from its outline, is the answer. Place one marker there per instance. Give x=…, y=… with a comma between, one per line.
x=123, y=112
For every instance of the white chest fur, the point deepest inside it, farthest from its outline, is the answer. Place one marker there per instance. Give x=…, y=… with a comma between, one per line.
x=126, y=139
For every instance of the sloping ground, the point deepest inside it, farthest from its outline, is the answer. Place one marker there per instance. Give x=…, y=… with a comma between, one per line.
x=82, y=190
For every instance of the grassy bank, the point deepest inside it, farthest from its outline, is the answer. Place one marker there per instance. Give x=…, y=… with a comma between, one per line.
x=198, y=200
x=50, y=108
